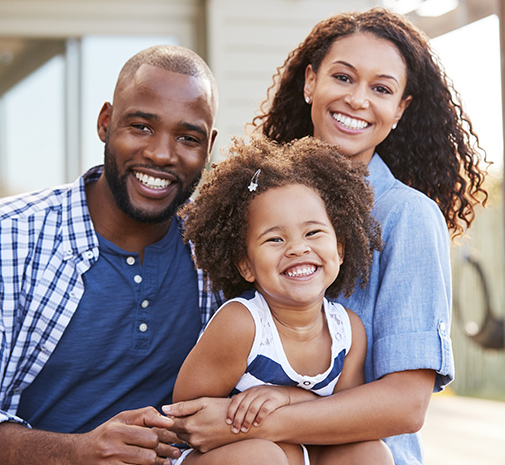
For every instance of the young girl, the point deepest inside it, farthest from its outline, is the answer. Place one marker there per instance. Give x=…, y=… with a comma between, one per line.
x=278, y=228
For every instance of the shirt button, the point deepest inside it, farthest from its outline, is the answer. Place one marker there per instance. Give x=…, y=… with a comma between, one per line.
x=89, y=254
x=442, y=326
x=307, y=383
x=137, y=278
x=143, y=328
x=130, y=260
x=145, y=304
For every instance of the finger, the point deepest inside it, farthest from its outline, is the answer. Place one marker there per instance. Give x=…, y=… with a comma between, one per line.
x=168, y=451
x=166, y=436
x=251, y=416
x=266, y=409
x=246, y=407
x=182, y=409
x=147, y=416
x=232, y=409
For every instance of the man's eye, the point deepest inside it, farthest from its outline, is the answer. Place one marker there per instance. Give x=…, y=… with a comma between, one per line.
x=189, y=139
x=141, y=127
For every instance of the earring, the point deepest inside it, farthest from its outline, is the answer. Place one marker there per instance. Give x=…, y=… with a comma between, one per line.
x=395, y=125
x=307, y=99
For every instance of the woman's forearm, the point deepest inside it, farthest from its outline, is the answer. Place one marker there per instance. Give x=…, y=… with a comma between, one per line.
x=395, y=404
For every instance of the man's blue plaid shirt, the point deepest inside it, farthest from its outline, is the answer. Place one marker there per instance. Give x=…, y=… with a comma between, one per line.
x=47, y=242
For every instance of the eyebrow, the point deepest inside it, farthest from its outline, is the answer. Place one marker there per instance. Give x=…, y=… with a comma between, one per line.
x=193, y=127
x=143, y=114
x=383, y=76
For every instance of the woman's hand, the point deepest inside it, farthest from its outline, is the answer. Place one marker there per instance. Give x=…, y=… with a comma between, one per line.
x=202, y=422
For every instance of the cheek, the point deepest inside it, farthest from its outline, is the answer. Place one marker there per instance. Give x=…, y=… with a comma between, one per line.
x=194, y=163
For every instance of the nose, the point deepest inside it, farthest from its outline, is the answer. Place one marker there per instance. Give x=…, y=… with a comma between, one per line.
x=298, y=248
x=160, y=150
x=357, y=98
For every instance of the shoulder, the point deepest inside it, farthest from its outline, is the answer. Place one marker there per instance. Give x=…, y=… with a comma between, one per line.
x=26, y=206
x=235, y=318
x=403, y=208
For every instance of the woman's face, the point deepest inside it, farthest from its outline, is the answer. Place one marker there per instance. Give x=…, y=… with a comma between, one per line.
x=356, y=95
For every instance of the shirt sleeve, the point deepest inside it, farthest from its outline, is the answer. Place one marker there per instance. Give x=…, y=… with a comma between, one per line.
x=412, y=315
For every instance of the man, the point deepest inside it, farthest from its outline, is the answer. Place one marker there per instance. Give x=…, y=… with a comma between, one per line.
x=100, y=299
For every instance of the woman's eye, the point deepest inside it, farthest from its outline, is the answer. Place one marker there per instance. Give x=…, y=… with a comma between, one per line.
x=342, y=77
x=383, y=90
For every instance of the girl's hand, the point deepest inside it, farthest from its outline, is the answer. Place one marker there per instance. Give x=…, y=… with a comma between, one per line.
x=253, y=405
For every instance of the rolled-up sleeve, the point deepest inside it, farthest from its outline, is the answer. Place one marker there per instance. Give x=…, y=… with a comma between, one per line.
x=412, y=311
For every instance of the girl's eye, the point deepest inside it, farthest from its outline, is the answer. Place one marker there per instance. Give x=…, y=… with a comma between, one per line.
x=313, y=233
x=274, y=239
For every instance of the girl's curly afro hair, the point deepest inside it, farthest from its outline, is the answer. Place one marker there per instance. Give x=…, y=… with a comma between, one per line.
x=216, y=222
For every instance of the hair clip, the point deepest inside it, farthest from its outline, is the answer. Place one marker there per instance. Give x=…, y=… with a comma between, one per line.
x=254, y=181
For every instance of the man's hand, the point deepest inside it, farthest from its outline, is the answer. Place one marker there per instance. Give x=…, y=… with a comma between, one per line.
x=136, y=437
x=202, y=422
x=133, y=437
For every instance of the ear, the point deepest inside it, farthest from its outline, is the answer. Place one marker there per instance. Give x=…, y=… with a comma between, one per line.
x=402, y=107
x=103, y=121
x=213, y=137
x=310, y=81
x=341, y=251
x=244, y=269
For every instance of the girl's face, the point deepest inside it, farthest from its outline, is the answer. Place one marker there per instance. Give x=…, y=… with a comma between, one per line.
x=293, y=254
x=357, y=94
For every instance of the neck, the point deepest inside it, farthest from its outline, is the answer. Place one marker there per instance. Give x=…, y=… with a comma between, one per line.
x=114, y=225
x=300, y=324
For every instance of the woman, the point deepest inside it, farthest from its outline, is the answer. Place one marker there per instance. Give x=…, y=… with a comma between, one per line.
x=370, y=84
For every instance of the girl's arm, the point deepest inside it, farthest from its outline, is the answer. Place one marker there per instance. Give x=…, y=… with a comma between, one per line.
x=219, y=358
x=353, y=373
x=395, y=404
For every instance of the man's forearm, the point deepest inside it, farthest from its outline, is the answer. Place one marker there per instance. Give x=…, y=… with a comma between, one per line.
x=21, y=445
x=132, y=437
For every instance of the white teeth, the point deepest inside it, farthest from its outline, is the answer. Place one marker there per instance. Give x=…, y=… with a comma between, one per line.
x=151, y=181
x=302, y=271
x=348, y=122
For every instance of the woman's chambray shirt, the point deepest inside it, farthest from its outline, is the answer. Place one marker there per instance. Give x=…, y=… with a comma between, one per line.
x=406, y=306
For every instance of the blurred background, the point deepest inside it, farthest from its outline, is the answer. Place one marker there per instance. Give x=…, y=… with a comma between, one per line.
x=59, y=60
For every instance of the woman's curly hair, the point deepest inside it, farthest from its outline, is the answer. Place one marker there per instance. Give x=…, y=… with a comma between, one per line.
x=216, y=222
x=433, y=149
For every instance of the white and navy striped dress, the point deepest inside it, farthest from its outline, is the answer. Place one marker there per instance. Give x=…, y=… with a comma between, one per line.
x=267, y=363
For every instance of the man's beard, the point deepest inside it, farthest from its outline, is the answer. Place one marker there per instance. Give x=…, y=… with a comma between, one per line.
x=117, y=185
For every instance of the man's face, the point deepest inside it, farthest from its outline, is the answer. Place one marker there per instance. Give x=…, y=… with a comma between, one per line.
x=158, y=136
